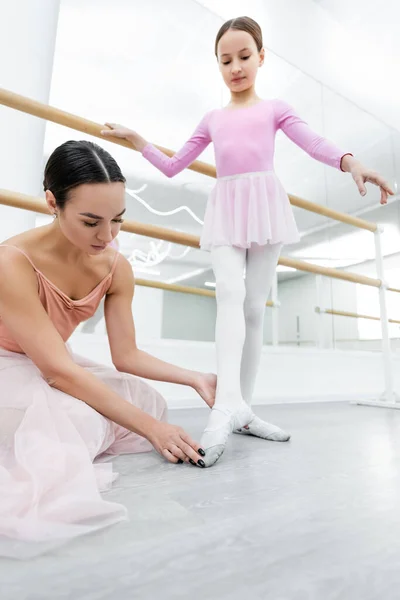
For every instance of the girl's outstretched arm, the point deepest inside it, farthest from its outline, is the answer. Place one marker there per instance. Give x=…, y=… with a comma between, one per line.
x=325, y=151
x=170, y=166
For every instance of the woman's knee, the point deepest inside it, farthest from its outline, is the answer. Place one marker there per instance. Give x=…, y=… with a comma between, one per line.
x=162, y=408
x=150, y=400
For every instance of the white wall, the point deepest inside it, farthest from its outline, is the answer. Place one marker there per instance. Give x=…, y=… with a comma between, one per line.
x=298, y=298
x=147, y=309
x=187, y=317
x=27, y=44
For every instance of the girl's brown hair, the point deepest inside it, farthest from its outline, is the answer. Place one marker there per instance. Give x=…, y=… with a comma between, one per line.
x=241, y=24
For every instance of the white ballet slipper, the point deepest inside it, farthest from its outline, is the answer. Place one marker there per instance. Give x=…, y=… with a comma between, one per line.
x=259, y=428
x=220, y=425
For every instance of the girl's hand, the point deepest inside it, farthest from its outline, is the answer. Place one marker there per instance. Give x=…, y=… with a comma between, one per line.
x=120, y=131
x=361, y=175
x=175, y=444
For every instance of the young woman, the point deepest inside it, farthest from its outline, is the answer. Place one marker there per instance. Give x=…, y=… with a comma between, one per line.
x=59, y=412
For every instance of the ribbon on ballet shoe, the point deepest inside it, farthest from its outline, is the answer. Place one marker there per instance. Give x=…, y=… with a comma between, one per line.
x=243, y=417
x=215, y=422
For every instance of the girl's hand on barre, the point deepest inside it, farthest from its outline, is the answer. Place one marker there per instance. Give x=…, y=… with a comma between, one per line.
x=119, y=131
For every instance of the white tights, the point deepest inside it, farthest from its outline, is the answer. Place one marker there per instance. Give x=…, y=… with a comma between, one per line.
x=240, y=316
x=239, y=337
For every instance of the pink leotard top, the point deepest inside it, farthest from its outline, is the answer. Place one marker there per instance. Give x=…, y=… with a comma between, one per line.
x=65, y=314
x=244, y=140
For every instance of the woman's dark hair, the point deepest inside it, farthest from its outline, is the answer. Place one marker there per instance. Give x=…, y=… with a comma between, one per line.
x=75, y=163
x=241, y=24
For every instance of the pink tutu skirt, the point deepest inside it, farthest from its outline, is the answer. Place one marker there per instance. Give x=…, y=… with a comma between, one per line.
x=49, y=483
x=251, y=208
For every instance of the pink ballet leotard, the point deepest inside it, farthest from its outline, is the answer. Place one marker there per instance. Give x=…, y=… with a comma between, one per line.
x=248, y=203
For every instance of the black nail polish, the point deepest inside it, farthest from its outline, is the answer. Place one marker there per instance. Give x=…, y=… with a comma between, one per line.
x=201, y=463
x=180, y=461
x=192, y=462
x=201, y=452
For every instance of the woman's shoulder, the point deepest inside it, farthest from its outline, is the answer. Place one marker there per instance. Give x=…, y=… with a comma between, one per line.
x=18, y=246
x=16, y=268
x=121, y=264
x=25, y=247
x=121, y=269
x=110, y=256
x=23, y=240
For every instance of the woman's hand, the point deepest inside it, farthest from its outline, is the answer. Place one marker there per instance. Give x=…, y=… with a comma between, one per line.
x=175, y=444
x=120, y=131
x=205, y=385
x=362, y=175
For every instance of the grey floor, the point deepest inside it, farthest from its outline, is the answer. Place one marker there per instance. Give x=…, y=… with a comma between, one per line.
x=317, y=518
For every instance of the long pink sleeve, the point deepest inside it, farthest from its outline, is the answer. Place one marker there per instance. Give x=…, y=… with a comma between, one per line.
x=185, y=156
x=301, y=134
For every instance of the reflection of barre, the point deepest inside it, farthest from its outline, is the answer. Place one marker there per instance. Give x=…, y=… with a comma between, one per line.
x=344, y=313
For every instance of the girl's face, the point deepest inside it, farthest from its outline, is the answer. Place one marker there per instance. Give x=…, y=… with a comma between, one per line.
x=239, y=60
x=92, y=215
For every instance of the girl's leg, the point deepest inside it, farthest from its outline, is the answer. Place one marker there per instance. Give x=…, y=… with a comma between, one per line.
x=260, y=270
x=228, y=265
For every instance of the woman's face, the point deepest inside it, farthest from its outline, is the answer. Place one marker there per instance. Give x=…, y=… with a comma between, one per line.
x=92, y=215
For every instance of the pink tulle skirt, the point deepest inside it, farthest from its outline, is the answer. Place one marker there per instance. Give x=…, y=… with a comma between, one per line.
x=251, y=208
x=50, y=483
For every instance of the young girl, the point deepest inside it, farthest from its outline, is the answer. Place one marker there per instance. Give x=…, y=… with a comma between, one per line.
x=59, y=412
x=248, y=219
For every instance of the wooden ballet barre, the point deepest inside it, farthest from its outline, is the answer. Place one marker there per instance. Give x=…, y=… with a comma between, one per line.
x=332, y=214
x=353, y=315
x=182, y=289
x=38, y=205
x=301, y=265
x=344, y=313
x=31, y=203
x=55, y=115
x=61, y=117
x=171, y=287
